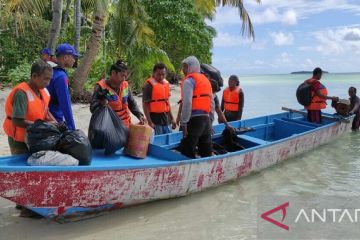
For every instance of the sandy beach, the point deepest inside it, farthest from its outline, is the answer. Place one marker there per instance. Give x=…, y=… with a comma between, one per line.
x=81, y=113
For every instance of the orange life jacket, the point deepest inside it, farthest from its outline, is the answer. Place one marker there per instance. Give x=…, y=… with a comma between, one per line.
x=202, y=92
x=231, y=99
x=317, y=103
x=159, y=96
x=37, y=109
x=120, y=102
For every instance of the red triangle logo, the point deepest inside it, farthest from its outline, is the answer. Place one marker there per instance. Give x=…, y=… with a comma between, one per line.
x=266, y=216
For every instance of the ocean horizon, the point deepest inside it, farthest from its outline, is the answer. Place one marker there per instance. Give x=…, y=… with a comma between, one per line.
x=268, y=93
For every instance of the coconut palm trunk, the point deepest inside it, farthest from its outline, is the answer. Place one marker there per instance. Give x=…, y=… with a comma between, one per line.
x=77, y=15
x=65, y=17
x=57, y=6
x=82, y=72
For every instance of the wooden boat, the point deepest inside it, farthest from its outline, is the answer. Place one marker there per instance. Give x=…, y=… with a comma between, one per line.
x=78, y=192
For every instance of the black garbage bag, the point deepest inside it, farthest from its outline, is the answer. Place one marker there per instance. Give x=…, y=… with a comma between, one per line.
x=212, y=73
x=218, y=149
x=106, y=130
x=42, y=136
x=229, y=141
x=76, y=144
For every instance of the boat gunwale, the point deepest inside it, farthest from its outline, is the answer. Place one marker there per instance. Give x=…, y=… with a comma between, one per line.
x=164, y=163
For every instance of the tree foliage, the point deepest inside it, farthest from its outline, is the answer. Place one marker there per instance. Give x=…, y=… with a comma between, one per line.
x=180, y=30
x=141, y=32
x=15, y=51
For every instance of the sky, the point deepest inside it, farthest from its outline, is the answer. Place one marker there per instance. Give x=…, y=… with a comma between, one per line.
x=290, y=35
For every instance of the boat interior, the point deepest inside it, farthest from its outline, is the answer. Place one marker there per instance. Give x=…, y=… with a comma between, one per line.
x=255, y=132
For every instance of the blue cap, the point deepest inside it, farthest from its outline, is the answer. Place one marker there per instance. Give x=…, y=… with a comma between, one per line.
x=66, y=49
x=46, y=51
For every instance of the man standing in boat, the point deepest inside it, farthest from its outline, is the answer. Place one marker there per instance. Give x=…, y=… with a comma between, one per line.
x=156, y=104
x=319, y=96
x=232, y=102
x=119, y=96
x=355, y=108
x=196, y=94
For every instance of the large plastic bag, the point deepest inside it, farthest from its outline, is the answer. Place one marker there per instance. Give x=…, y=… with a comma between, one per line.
x=106, y=130
x=42, y=136
x=229, y=141
x=212, y=73
x=76, y=144
x=51, y=158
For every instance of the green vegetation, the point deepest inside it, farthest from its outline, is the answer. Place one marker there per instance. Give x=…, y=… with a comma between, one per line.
x=141, y=32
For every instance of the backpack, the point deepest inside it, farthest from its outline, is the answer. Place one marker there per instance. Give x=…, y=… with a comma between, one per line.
x=304, y=94
x=212, y=73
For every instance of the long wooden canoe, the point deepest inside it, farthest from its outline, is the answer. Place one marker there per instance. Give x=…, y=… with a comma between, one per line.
x=111, y=182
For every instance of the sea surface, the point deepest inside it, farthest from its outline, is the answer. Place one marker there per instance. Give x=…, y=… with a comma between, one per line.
x=229, y=211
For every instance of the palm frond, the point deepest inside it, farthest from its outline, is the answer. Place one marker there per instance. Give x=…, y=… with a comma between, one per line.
x=247, y=27
x=129, y=25
x=205, y=7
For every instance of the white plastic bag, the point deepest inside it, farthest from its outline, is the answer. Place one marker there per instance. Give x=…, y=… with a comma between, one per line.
x=51, y=158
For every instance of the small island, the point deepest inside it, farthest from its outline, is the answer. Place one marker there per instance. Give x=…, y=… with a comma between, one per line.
x=306, y=72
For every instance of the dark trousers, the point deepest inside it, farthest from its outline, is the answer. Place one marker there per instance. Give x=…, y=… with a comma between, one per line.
x=199, y=135
x=314, y=116
x=233, y=115
x=17, y=147
x=356, y=122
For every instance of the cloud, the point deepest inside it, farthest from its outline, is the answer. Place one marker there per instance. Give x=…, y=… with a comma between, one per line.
x=272, y=15
x=282, y=11
x=268, y=16
x=306, y=8
x=290, y=17
x=225, y=16
x=281, y=39
x=338, y=41
x=353, y=35
x=284, y=58
x=224, y=39
x=259, y=45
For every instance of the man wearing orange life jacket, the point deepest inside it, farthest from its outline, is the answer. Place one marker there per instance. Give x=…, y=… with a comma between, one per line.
x=156, y=104
x=319, y=93
x=26, y=103
x=196, y=94
x=119, y=97
x=233, y=100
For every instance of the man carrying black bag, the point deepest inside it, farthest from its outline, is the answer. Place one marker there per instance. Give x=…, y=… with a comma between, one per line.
x=119, y=96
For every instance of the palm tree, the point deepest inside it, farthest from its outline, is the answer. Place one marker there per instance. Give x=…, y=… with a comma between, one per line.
x=20, y=10
x=207, y=8
x=77, y=16
x=129, y=26
x=129, y=29
x=57, y=6
x=65, y=17
x=84, y=67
